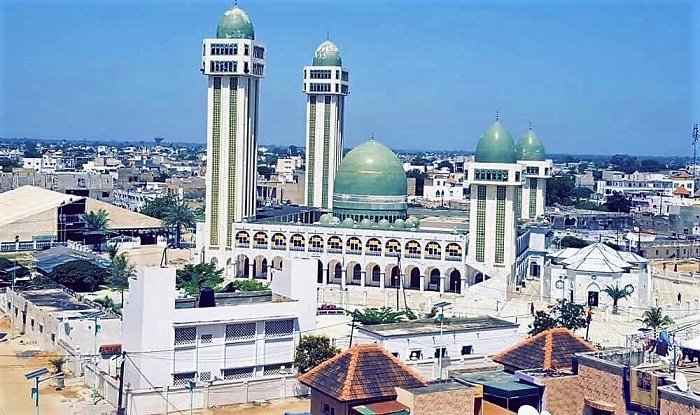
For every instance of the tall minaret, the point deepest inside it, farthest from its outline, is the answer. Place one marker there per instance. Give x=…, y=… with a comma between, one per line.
x=494, y=178
x=530, y=153
x=326, y=83
x=234, y=64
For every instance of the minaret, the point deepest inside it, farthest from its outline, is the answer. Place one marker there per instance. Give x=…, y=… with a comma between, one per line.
x=530, y=153
x=326, y=83
x=234, y=64
x=494, y=178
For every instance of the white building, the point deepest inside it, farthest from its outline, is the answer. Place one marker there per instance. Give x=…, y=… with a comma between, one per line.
x=581, y=275
x=326, y=84
x=444, y=188
x=234, y=64
x=286, y=167
x=634, y=183
x=33, y=163
x=530, y=153
x=241, y=335
x=466, y=342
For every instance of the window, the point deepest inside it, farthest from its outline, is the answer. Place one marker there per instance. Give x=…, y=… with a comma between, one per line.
x=240, y=331
x=396, y=354
x=205, y=338
x=277, y=369
x=492, y=175
x=180, y=379
x=185, y=336
x=466, y=350
x=31, y=322
x=237, y=373
x=279, y=328
x=328, y=410
x=204, y=376
x=437, y=352
x=41, y=328
x=53, y=337
x=246, y=50
x=415, y=354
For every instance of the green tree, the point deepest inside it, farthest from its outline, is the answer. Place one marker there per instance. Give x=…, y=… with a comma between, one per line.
x=377, y=316
x=624, y=163
x=96, y=221
x=655, y=319
x=179, y=216
x=107, y=303
x=79, y=275
x=559, y=190
x=445, y=164
x=582, y=167
x=246, y=285
x=266, y=171
x=312, y=351
x=580, y=193
x=121, y=271
x=618, y=202
x=193, y=277
x=199, y=213
x=543, y=321
x=562, y=314
x=572, y=242
x=616, y=294
x=158, y=207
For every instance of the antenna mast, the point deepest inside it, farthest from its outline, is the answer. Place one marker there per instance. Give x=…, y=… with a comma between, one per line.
x=696, y=136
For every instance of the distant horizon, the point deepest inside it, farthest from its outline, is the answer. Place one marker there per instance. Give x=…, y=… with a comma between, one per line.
x=593, y=77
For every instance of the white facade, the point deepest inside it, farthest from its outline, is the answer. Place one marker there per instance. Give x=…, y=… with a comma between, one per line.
x=250, y=335
x=534, y=190
x=581, y=276
x=234, y=68
x=326, y=88
x=444, y=188
x=492, y=216
x=636, y=182
x=33, y=163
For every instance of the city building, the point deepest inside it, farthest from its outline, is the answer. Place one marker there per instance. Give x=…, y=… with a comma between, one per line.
x=234, y=63
x=326, y=84
x=466, y=342
x=444, y=187
x=215, y=337
x=582, y=275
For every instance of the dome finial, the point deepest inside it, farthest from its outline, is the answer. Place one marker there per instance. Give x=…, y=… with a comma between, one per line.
x=529, y=126
x=371, y=136
x=497, y=116
x=328, y=35
x=235, y=3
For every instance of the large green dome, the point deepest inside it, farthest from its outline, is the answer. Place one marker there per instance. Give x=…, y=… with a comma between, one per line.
x=327, y=54
x=370, y=183
x=530, y=147
x=235, y=24
x=495, y=146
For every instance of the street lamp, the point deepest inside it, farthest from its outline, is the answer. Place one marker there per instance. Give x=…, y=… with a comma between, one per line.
x=190, y=387
x=441, y=305
x=35, y=390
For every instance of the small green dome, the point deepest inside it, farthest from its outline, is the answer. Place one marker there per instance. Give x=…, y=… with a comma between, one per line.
x=327, y=54
x=235, y=24
x=384, y=224
x=530, y=147
x=412, y=222
x=371, y=169
x=348, y=222
x=399, y=223
x=334, y=221
x=366, y=223
x=325, y=218
x=495, y=146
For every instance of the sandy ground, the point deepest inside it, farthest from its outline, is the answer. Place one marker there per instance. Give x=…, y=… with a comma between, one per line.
x=683, y=265
x=274, y=408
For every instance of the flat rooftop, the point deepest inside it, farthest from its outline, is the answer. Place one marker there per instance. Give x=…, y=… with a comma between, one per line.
x=438, y=387
x=416, y=327
x=501, y=384
x=235, y=298
x=55, y=300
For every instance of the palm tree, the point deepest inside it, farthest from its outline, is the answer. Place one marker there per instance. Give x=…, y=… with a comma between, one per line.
x=96, y=221
x=121, y=272
x=179, y=216
x=617, y=294
x=112, y=250
x=655, y=319
x=106, y=302
x=377, y=315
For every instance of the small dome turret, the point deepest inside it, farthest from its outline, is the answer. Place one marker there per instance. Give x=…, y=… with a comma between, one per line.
x=327, y=54
x=495, y=145
x=530, y=147
x=235, y=24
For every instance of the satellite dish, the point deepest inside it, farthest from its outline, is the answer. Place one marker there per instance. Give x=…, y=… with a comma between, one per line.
x=545, y=413
x=528, y=410
x=681, y=382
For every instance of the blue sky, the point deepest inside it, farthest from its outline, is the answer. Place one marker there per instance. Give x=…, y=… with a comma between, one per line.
x=595, y=77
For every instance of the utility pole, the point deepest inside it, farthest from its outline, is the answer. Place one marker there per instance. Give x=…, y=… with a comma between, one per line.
x=441, y=349
x=12, y=305
x=120, y=401
x=696, y=137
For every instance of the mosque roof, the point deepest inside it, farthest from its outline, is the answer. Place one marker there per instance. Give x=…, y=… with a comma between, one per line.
x=530, y=147
x=495, y=145
x=371, y=169
x=235, y=24
x=327, y=54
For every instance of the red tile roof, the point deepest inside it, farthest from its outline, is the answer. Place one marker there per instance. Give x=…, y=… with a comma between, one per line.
x=365, y=371
x=681, y=191
x=551, y=349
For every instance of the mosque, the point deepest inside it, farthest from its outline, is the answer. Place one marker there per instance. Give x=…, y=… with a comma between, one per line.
x=356, y=222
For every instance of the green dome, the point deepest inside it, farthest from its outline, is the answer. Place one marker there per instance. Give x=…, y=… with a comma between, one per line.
x=399, y=223
x=495, y=146
x=327, y=54
x=235, y=24
x=530, y=147
x=370, y=183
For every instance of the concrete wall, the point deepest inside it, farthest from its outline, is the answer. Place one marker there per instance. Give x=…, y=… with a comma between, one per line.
x=452, y=402
x=602, y=381
x=670, y=406
x=561, y=395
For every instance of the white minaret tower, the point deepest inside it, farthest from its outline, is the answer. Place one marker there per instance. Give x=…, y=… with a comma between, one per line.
x=530, y=153
x=326, y=83
x=234, y=64
x=494, y=178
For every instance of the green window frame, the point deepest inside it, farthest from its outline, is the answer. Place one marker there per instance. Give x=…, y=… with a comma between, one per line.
x=480, y=222
x=215, y=163
x=232, y=128
x=326, y=150
x=500, y=224
x=311, y=151
x=533, y=198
